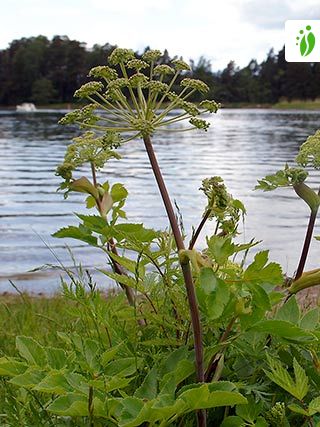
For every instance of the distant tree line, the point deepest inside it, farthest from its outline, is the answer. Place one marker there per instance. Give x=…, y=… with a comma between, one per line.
x=46, y=71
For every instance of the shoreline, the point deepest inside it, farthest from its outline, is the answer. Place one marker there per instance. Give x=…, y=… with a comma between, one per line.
x=281, y=105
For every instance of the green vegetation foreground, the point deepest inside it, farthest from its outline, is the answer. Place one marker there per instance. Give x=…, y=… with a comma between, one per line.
x=195, y=337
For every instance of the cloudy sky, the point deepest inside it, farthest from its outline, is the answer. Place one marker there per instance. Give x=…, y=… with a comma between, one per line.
x=221, y=30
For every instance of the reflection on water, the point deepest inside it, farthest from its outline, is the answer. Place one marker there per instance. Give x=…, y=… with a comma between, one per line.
x=241, y=146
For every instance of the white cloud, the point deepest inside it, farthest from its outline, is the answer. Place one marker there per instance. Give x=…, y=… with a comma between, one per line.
x=221, y=31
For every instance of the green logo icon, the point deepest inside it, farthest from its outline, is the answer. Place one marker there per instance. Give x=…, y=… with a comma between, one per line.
x=306, y=40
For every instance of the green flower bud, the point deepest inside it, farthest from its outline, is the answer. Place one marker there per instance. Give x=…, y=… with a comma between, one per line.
x=137, y=64
x=210, y=106
x=199, y=123
x=88, y=89
x=121, y=55
x=152, y=55
x=156, y=86
x=309, y=153
x=110, y=140
x=190, y=108
x=146, y=127
x=195, y=84
x=65, y=171
x=104, y=72
x=118, y=83
x=138, y=79
x=180, y=65
x=163, y=70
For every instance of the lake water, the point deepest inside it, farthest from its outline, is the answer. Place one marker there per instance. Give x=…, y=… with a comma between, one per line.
x=241, y=146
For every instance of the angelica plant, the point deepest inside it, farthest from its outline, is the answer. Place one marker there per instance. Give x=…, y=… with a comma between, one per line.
x=134, y=98
x=295, y=177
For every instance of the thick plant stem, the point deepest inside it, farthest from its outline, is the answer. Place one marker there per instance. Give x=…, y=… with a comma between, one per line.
x=306, y=245
x=186, y=270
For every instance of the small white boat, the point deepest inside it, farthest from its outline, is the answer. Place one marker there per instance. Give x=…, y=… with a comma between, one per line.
x=26, y=107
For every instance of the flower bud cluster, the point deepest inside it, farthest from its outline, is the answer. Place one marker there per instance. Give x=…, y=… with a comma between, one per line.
x=152, y=55
x=103, y=71
x=199, y=123
x=137, y=64
x=121, y=55
x=309, y=153
x=181, y=65
x=88, y=89
x=145, y=104
x=195, y=84
x=163, y=70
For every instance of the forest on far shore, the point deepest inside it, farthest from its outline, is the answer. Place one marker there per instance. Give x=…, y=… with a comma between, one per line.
x=45, y=71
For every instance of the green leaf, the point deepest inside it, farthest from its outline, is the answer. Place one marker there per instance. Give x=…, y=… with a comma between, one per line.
x=124, y=280
x=258, y=271
x=32, y=351
x=57, y=358
x=311, y=319
x=54, y=383
x=284, y=329
x=91, y=202
x=29, y=378
x=109, y=355
x=11, y=367
x=118, y=192
x=213, y=293
x=289, y=311
x=298, y=409
x=314, y=406
x=132, y=407
x=301, y=379
x=77, y=233
x=123, y=367
x=134, y=231
x=220, y=248
x=128, y=264
x=149, y=387
x=201, y=398
x=279, y=375
x=233, y=421
x=71, y=405
x=251, y=411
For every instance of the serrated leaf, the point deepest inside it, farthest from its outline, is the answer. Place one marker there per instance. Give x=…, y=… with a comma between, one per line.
x=301, y=379
x=220, y=248
x=91, y=202
x=259, y=272
x=118, y=192
x=278, y=374
x=298, y=409
x=284, y=329
x=289, y=311
x=314, y=406
x=77, y=233
x=31, y=350
x=123, y=367
x=71, y=405
x=29, y=378
x=311, y=319
x=149, y=387
x=213, y=293
x=54, y=383
x=57, y=358
x=11, y=367
x=233, y=421
x=128, y=264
